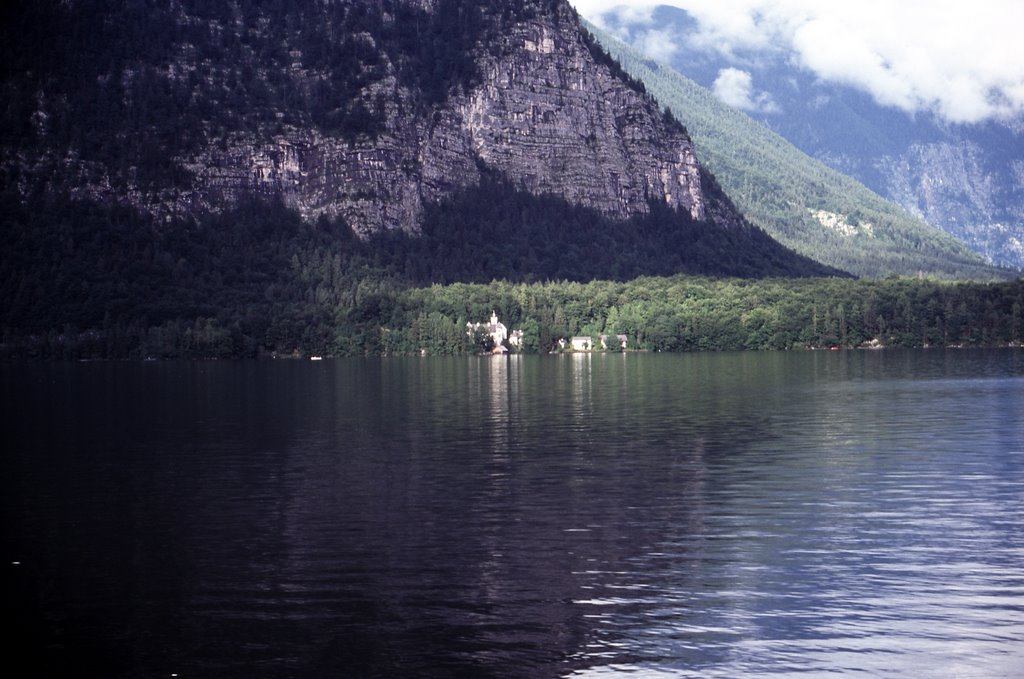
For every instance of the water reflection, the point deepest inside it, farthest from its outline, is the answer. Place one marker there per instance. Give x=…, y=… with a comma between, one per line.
x=839, y=546
x=582, y=395
x=704, y=515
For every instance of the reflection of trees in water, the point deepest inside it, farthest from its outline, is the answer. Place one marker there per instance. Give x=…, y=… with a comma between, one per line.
x=524, y=516
x=509, y=512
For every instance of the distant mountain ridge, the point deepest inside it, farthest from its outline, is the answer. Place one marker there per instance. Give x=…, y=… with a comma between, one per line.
x=806, y=205
x=967, y=180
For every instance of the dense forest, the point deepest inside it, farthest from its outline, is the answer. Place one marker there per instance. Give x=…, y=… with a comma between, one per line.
x=107, y=283
x=81, y=279
x=280, y=282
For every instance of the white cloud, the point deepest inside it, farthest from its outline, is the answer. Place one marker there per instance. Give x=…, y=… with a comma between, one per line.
x=961, y=60
x=736, y=88
x=658, y=44
x=625, y=13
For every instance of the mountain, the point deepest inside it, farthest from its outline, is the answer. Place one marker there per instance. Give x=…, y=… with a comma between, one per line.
x=966, y=179
x=264, y=165
x=358, y=110
x=800, y=201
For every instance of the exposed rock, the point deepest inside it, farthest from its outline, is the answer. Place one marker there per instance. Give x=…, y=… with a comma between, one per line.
x=841, y=224
x=967, y=191
x=545, y=113
x=551, y=118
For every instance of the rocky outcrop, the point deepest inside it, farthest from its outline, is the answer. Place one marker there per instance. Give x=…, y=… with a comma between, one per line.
x=967, y=190
x=544, y=112
x=557, y=122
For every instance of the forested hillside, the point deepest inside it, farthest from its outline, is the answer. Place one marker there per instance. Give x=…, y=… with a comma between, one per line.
x=261, y=281
x=960, y=175
x=111, y=251
x=798, y=200
x=277, y=281
x=340, y=316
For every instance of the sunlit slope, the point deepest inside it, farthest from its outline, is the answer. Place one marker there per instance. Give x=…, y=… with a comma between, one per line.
x=801, y=202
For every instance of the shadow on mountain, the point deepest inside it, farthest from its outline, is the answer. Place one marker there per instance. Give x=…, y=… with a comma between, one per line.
x=495, y=231
x=266, y=277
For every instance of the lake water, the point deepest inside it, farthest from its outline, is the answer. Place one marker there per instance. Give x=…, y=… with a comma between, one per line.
x=851, y=514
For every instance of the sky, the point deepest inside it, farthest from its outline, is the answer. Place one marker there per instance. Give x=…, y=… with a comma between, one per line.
x=960, y=59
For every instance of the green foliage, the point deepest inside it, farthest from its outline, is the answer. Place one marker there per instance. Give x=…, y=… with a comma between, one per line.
x=106, y=283
x=684, y=313
x=777, y=187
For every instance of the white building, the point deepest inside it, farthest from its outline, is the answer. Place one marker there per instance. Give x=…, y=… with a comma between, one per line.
x=498, y=332
x=581, y=343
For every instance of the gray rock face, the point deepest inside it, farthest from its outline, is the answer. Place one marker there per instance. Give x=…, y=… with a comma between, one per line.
x=545, y=114
x=552, y=119
x=969, y=191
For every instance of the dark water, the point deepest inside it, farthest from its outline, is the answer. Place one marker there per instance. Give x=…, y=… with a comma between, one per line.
x=736, y=515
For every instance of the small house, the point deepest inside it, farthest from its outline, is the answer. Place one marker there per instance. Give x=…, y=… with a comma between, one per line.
x=582, y=343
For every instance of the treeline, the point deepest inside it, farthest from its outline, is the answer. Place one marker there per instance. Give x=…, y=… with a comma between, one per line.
x=678, y=313
x=685, y=313
x=106, y=283
x=259, y=278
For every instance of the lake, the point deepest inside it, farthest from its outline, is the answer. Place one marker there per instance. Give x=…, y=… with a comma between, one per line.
x=847, y=513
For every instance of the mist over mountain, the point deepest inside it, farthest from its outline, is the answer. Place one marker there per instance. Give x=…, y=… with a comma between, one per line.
x=966, y=178
x=799, y=200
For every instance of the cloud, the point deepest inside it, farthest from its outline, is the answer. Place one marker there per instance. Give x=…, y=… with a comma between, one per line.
x=736, y=88
x=624, y=13
x=658, y=44
x=960, y=60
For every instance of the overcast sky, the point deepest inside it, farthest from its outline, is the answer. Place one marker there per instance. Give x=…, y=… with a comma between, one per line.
x=962, y=59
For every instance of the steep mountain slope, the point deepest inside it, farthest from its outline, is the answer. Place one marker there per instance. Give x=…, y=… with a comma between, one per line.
x=798, y=200
x=360, y=110
x=267, y=164
x=967, y=180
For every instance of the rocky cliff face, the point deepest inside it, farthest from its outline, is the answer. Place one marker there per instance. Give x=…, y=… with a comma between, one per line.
x=544, y=110
x=545, y=115
x=973, y=191
x=549, y=116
